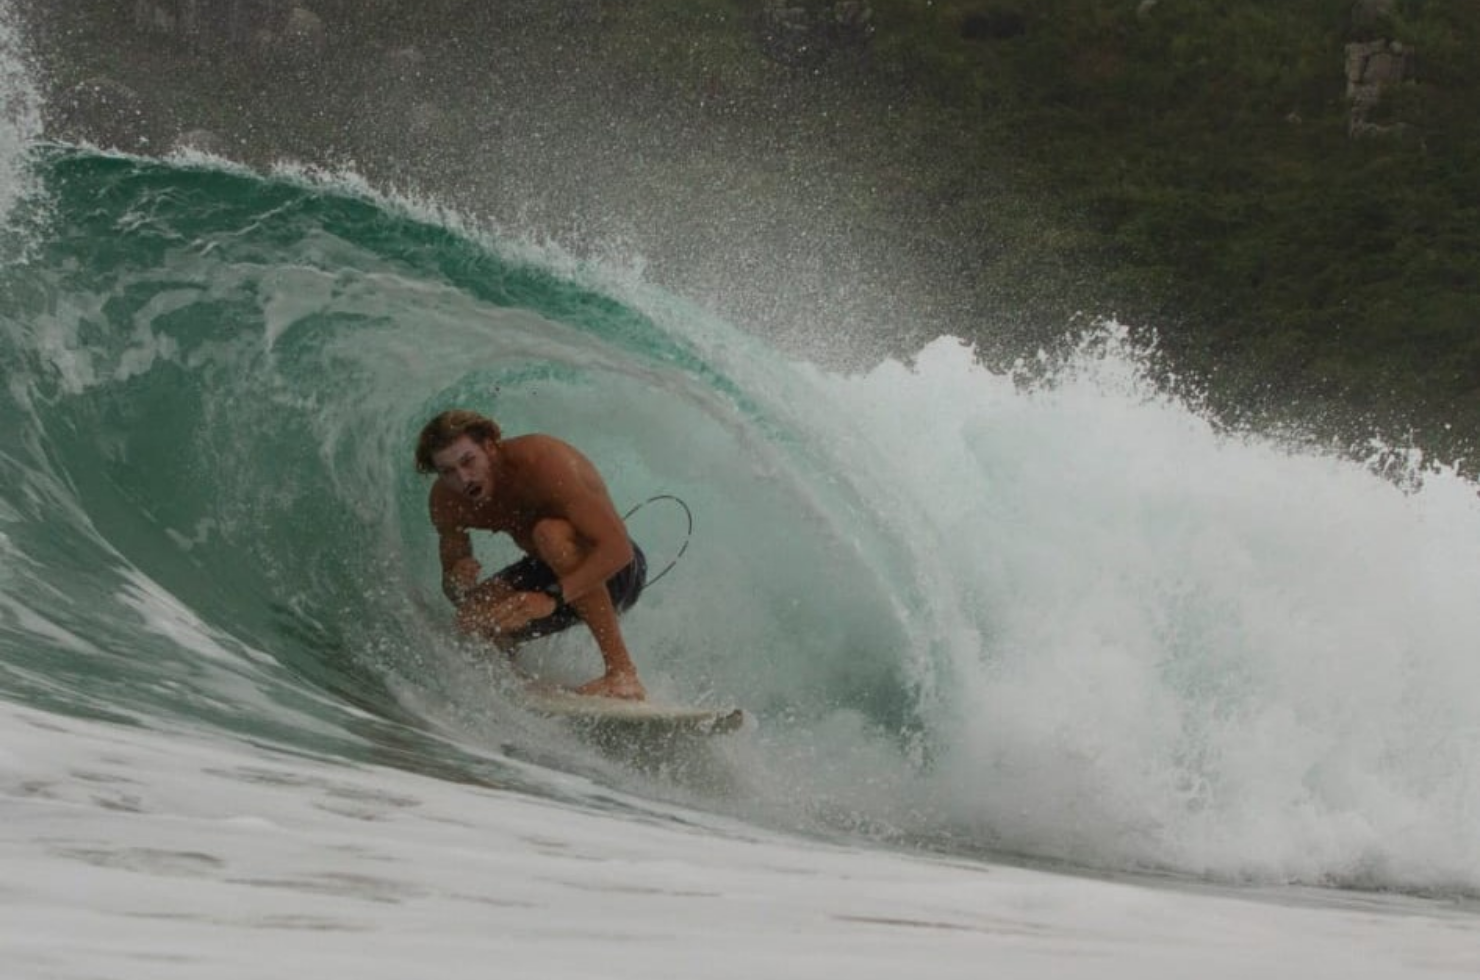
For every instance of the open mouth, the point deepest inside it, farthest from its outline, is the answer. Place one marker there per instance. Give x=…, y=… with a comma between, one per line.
x=474, y=490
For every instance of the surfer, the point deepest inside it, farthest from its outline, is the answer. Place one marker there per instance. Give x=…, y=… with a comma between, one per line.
x=579, y=564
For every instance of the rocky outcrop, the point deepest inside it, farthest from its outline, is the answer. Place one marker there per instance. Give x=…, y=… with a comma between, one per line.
x=1373, y=67
x=1375, y=64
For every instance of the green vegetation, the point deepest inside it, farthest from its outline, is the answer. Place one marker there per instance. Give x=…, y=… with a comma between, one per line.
x=1191, y=169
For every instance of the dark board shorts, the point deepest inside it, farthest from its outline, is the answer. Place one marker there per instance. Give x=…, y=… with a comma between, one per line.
x=529, y=574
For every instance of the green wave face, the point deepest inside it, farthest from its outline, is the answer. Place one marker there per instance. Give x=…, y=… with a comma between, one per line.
x=1070, y=619
x=215, y=382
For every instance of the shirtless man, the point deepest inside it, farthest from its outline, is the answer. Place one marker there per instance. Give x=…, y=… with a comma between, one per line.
x=579, y=564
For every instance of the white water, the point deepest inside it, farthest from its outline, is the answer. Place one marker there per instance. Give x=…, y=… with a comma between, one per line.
x=155, y=855
x=1167, y=646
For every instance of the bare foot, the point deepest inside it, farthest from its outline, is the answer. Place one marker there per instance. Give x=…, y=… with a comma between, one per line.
x=625, y=686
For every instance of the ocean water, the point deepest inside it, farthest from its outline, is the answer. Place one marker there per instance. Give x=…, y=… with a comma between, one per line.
x=1047, y=673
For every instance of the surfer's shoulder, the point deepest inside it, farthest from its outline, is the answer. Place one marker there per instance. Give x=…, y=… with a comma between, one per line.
x=533, y=445
x=539, y=454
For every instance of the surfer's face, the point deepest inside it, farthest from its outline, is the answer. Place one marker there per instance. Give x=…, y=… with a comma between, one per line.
x=466, y=468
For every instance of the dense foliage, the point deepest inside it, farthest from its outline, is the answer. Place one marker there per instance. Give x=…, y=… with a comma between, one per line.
x=1192, y=168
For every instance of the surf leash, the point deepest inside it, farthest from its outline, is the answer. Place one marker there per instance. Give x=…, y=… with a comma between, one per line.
x=687, y=534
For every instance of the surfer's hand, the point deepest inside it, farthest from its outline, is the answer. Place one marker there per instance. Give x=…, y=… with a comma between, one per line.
x=491, y=612
x=536, y=605
x=460, y=581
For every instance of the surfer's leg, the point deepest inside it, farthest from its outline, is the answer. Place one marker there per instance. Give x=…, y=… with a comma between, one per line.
x=558, y=545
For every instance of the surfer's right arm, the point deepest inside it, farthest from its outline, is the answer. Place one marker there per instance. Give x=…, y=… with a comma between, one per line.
x=455, y=547
x=459, y=568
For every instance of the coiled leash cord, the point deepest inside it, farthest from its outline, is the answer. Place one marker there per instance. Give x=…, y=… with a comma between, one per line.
x=688, y=531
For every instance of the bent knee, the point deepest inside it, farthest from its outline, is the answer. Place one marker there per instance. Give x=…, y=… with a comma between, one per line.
x=555, y=541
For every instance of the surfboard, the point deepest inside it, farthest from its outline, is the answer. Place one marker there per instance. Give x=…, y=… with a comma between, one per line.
x=635, y=717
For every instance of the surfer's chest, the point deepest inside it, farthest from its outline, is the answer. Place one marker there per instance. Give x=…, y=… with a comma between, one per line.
x=516, y=521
